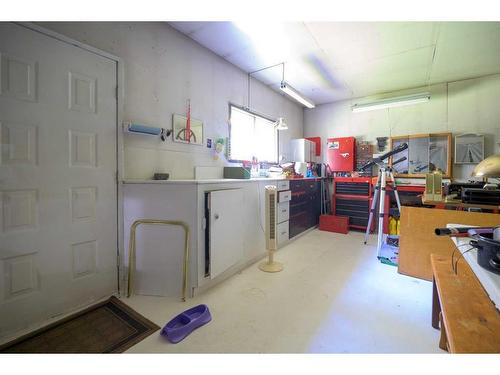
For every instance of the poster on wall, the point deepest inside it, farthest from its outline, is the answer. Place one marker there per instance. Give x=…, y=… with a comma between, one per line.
x=187, y=131
x=469, y=148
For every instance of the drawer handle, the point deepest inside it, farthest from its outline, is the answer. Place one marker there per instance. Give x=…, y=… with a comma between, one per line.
x=282, y=233
x=283, y=210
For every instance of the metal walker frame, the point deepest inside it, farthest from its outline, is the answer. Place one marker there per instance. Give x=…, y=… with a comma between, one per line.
x=131, y=254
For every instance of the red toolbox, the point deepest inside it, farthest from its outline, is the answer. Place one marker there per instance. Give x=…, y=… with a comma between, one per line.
x=332, y=223
x=340, y=154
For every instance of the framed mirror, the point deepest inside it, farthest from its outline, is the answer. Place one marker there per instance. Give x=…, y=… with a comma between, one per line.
x=402, y=167
x=425, y=153
x=438, y=153
x=418, y=152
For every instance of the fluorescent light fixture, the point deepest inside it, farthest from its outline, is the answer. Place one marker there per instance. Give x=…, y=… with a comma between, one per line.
x=392, y=102
x=289, y=90
x=281, y=124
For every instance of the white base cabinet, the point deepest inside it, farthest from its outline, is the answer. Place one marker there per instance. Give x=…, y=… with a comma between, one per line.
x=236, y=236
x=224, y=247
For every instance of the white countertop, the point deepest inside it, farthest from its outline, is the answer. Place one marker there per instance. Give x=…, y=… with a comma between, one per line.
x=489, y=280
x=210, y=181
x=193, y=181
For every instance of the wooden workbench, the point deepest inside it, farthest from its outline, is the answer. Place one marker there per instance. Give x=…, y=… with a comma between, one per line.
x=468, y=319
x=460, y=205
x=417, y=240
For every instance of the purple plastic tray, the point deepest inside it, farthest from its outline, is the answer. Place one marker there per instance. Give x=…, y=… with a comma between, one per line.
x=185, y=323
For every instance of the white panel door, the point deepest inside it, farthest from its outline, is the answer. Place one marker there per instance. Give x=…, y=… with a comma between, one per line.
x=58, y=204
x=226, y=230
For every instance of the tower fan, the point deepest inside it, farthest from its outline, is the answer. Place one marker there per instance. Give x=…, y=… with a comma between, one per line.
x=270, y=232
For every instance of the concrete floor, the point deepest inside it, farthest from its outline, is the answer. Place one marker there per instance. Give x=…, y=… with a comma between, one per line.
x=332, y=297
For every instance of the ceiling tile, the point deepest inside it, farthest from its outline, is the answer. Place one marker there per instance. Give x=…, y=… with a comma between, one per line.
x=220, y=37
x=274, y=42
x=348, y=43
x=396, y=38
x=329, y=61
x=451, y=30
x=468, y=54
x=391, y=73
x=187, y=27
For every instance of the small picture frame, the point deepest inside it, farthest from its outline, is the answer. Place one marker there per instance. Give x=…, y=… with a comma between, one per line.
x=469, y=148
x=181, y=133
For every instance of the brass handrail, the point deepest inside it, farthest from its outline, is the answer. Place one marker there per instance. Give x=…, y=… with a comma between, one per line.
x=131, y=253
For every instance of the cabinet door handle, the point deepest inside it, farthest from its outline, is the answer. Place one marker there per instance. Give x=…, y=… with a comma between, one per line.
x=216, y=216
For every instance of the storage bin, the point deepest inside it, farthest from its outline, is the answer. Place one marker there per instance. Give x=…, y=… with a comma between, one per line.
x=237, y=172
x=333, y=223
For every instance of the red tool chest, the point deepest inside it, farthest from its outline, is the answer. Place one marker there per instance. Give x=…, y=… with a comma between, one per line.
x=352, y=197
x=341, y=154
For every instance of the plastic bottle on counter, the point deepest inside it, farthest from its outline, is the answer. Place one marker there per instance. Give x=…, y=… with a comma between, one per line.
x=392, y=225
x=255, y=167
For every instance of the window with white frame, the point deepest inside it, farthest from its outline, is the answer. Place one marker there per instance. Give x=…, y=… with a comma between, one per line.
x=251, y=135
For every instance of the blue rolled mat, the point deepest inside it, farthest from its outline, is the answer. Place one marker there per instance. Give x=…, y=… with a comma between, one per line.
x=137, y=128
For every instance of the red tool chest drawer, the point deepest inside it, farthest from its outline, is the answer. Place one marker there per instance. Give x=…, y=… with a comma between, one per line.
x=352, y=198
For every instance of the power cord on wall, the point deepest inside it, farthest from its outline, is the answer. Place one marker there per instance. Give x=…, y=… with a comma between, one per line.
x=389, y=123
x=455, y=265
x=462, y=255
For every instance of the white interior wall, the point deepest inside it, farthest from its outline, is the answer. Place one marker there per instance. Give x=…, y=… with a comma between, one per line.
x=468, y=106
x=163, y=68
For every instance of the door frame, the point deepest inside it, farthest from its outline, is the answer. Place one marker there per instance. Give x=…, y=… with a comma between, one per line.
x=119, y=143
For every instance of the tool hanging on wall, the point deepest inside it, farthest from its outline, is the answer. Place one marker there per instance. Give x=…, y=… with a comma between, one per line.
x=381, y=142
x=385, y=171
x=147, y=130
x=186, y=132
x=188, y=123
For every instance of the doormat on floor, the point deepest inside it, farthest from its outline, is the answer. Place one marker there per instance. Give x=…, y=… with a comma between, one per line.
x=107, y=327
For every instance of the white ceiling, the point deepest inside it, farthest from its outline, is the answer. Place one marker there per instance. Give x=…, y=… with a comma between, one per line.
x=330, y=61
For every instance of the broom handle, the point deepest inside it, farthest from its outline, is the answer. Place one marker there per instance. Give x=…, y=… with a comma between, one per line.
x=460, y=232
